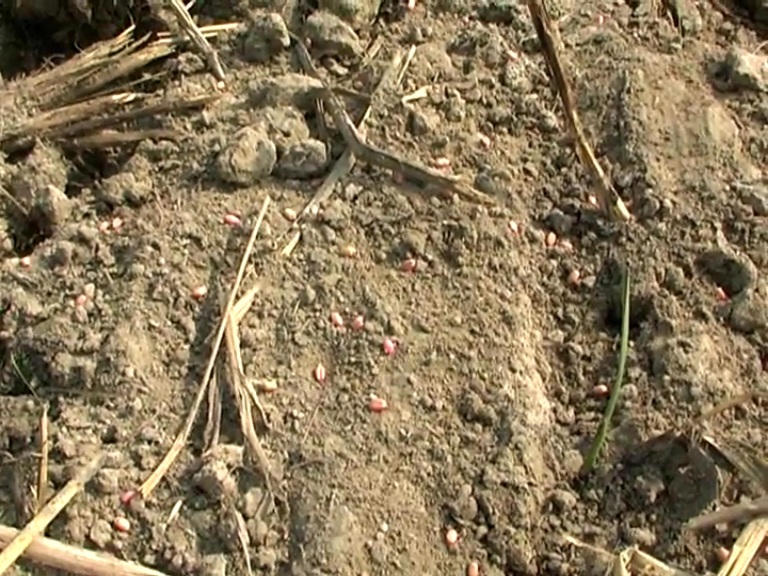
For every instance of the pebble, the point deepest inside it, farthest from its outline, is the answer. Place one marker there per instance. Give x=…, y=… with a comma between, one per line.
x=267, y=36
x=331, y=36
x=303, y=160
x=107, y=481
x=247, y=159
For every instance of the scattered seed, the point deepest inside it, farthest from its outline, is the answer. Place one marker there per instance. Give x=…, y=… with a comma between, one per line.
x=721, y=295
x=441, y=162
x=337, y=320
x=600, y=390
x=122, y=524
x=723, y=554
x=565, y=245
x=513, y=227
x=574, y=277
x=199, y=292
x=409, y=265
x=348, y=251
x=116, y=223
x=81, y=300
x=484, y=140
x=551, y=239
x=377, y=405
x=127, y=497
x=390, y=346
x=232, y=220
x=268, y=386
x=104, y=227
x=25, y=262
x=473, y=569
x=411, y=5
x=320, y=373
x=591, y=199
x=358, y=322
x=290, y=214
x=451, y=538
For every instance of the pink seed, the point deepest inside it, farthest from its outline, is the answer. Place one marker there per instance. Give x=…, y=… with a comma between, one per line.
x=320, y=373
x=81, y=300
x=116, y=223
x=290, y=214
x=358, y=322
x=232, y=220
x=551, y=239
x=25, y=262
x=199, y=292
x=348, y=251
x=600, y=390
x=337, y=320
x=268, y=386
x=390, y=346
x=103, y=227
x=122, y=524
x=574, y=277
x=411, y=5
x=513, y=227
x=721, y=295
x=591, y=199
x=473, y=569
x=441, y=162
x=451, y=538
x=409, y=265
x=127, y=497
x=377, y=405
x=484, y=140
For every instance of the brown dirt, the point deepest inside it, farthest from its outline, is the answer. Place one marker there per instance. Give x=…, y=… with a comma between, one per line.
x=490, y=390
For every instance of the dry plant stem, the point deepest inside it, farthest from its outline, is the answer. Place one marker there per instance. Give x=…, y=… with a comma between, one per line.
x=72, y=560
x=40, y=522
x=178, y=444
x=738, y=514
x=42, y=471
x=748, y=545
x=212, y=432
x=198, y=39
x=245, y=400
x=391, y=77
x=376, y=156
x=609, y=201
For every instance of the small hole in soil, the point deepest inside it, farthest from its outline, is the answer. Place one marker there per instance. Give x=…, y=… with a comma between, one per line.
x=640, y=308
x=28, y=231
x=726, y=271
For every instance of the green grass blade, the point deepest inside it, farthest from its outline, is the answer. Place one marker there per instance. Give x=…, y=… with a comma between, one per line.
x=605, y=423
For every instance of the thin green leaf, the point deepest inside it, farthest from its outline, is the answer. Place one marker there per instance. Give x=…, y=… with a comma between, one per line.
x=605, y=423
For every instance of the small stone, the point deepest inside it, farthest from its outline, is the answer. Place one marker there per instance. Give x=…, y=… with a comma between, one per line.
x=107, y=481
x=749, y=313
x=359, y=13
x=215, y=480
x=746, y=70
x=564, y=500
x=265, y=559
x=248, y=159
x=559, y=222
x=251, y=502
x=267, y=35
x=756, y=197
x=291, y=89
x=213, y=565
x=54, y=206
x=101, y=533
x=331, y=36
x=303, y=160
x=284, y=125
